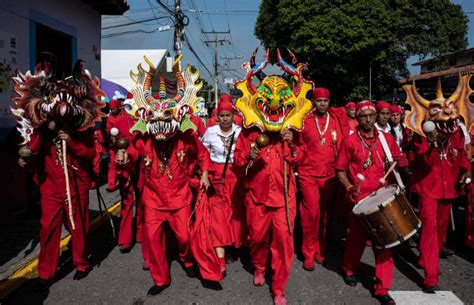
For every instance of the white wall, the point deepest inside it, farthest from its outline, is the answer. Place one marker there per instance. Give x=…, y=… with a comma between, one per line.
x=70, y=16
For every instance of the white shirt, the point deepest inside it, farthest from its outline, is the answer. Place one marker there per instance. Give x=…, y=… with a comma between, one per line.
x=398, y=133
x=214, y=140
x=467, y=137
x=387, y=128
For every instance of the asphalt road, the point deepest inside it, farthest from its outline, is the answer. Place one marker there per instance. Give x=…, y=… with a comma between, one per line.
x=119, y=279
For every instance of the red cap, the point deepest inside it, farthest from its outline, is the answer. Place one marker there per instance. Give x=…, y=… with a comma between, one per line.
x=320, y=93
x=351, y=105
x=225, y=98
x=401, y=110
x=381, y=105
x=114, y=104
x=394, y=109
x=225, y=106
x=365, y=105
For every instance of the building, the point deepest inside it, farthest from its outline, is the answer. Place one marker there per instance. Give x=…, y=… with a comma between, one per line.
x=451, y=60
x=69, y=29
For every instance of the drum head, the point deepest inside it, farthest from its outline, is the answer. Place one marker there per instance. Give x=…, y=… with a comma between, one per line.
x=382, y=196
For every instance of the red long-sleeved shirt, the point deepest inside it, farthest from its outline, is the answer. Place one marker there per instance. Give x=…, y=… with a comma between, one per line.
x=436, y=177
x=169, y=189
x=264, y=175
x=50, y=173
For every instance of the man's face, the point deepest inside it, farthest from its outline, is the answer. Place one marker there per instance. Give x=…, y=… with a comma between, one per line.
x=395, y=118
x=225, y=119
x=321, y=105
x=366, y=119
x=351, y=113
x=383, y=116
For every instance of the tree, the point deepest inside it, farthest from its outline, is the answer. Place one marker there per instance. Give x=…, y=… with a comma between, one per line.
x=341, y=39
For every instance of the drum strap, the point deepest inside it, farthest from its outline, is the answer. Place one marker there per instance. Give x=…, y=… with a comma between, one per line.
x=388, y=153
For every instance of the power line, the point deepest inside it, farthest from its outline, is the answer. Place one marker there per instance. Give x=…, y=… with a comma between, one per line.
x=135, y=22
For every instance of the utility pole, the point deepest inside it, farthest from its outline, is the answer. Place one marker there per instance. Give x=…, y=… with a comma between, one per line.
x=179, y=28
x=216, y=63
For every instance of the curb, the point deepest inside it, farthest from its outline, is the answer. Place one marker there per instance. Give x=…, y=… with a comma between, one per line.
x=30, y=269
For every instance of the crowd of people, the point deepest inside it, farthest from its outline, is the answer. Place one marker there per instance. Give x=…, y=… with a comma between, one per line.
x=253, y=188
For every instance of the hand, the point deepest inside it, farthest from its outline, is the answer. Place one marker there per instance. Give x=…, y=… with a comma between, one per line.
x=22, y=163
x=287, y=135
x=63, y=135
x=432, y=136
x=254, y=151
x=466, y=175
x=121, y=157
x=401, y=160
x=204, y=182
x=353, y=194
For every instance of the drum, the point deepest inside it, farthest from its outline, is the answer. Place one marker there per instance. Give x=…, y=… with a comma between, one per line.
x=387, y=217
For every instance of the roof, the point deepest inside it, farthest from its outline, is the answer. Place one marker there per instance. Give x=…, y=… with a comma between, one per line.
x=117, y=64
x=436, y=59
x=469, y=69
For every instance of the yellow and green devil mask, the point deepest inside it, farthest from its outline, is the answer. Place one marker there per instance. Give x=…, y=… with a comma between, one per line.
x=162, y=116
x=274, y=104
x=443, y=112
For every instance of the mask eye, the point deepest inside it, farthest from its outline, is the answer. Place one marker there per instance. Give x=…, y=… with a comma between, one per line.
x=435, y=110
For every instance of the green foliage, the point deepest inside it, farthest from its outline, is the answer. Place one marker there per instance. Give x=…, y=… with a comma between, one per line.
x=341, y=39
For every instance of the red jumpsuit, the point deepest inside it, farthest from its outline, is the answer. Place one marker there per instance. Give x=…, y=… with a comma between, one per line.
x=167, y=196
x=51, y=181
x=470, y=205
x=352, y=156
x=265, y=203
x=318, y=182
x=200, y=128
x=437, y=172
x=127, y=181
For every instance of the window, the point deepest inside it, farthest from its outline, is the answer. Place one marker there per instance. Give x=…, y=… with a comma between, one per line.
x=57, y=43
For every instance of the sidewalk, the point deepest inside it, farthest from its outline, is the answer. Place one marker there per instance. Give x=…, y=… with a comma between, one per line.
x=19, y=241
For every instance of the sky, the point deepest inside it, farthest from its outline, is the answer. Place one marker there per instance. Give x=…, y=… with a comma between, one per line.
x=238, y=17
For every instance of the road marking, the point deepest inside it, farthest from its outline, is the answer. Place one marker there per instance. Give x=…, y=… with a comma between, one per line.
x=30, y=269
x=421, y=298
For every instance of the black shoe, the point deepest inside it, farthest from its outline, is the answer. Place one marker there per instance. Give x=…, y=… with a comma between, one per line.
x=445, y=253
x=40, y=284
x=154, y=290
x=190, y=272
x=79, y=275
x=350, y=280
x=211, y=285
x=385, y=299
x=430, y=289
x=125, y=248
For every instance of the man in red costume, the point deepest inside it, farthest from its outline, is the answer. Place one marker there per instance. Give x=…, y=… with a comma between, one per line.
x=49, y=174
x=440, y=171
x=265, y=203
x=127, y=180
x=324, y=129
x=99, y=151
x=397, y=129
x=351, y=111
x=362, y=153
x=167, y=196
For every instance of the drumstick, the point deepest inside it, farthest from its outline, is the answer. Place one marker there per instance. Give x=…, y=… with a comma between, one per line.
x=452, y=218
x=360, y=178
x=390, y=169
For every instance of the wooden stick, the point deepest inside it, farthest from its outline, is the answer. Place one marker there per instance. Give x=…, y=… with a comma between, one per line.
x=390, y=169
x=287, y=205
x=68, y=190
x=451, y=214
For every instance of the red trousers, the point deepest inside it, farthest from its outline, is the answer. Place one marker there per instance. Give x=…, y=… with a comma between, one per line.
x=112, y=174
x=156, y=240
x=434, y=215
x=315, y=211
x=356, y=241
x=53, y=214
x=127, y=194
x=265, y=222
